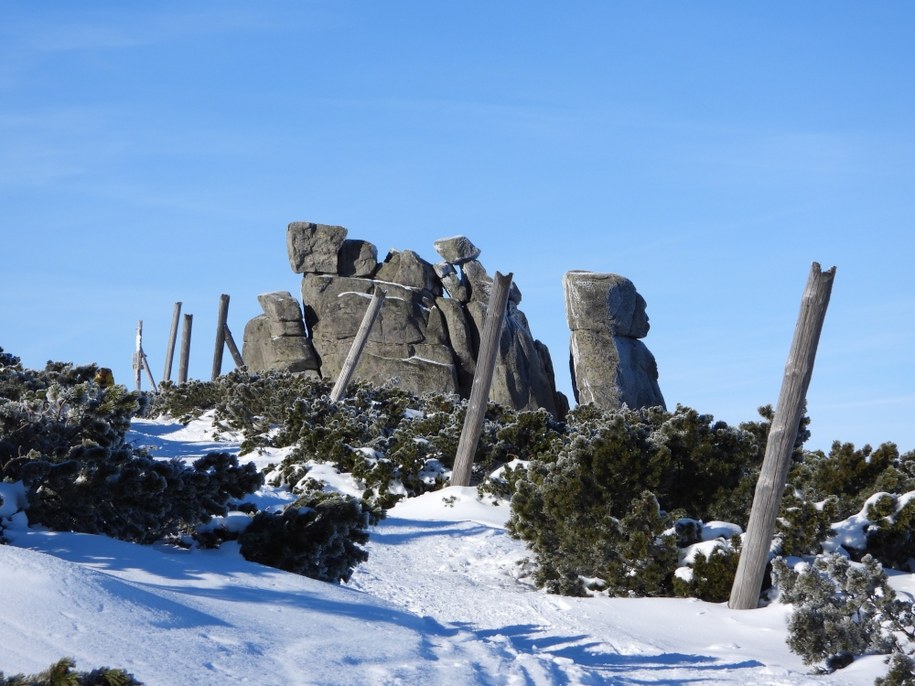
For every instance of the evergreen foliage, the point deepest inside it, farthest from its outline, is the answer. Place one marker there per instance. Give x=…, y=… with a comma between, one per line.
x=711, y=575
x=319, y=536
x=586, y=509
x=901, y=671
x=841, y=610
x=62, y=673
x=63, y=436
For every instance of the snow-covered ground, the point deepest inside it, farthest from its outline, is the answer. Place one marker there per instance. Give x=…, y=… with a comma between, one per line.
x=441, y=600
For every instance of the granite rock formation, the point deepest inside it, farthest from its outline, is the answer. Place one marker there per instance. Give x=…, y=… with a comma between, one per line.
x=426, y=337
x=611, y=366
x=277, y=339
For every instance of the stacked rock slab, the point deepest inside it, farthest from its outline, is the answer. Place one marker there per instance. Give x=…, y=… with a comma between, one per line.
x=426, y=337
x=611, y=366
x=277, y=338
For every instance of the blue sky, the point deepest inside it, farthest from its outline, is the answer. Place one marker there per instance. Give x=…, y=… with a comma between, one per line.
x=709, y=151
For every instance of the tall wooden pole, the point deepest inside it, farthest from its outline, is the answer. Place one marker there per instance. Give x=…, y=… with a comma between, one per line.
x=185, y=348
x=172, y=336
x=482, y=381
x=220, y=335
x=782, y=435
x=355, y=351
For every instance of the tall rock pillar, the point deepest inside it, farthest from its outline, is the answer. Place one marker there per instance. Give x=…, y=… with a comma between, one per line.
x=611, y=367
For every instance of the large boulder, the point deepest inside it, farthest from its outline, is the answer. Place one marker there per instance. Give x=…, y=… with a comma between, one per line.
x=277, y=339
x=456, y=249
x=409, y=269
x=313, y=248
x=357, y=258
x=610, y=366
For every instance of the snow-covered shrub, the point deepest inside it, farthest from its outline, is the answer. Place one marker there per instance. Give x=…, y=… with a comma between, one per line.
x=63, y=436
x=841, y=610
x=319, y=536
x=576, y=507
x=901, y=671
x=62, y=673
x=863, y=492
x=884, y=528
x=708, y=559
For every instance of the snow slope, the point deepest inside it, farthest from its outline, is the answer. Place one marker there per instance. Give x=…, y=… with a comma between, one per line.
x=441, y=600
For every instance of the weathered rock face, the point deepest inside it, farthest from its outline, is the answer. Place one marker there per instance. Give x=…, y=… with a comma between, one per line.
x=357, y=258
x=611, y=367
x=313, y=248
x=277, y=338
x=422, y=339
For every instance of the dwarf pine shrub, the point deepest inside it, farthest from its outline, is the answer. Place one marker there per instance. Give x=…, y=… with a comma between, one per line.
x=319, y=536
x=63, y=673
x=582, y=507
x=841, y=610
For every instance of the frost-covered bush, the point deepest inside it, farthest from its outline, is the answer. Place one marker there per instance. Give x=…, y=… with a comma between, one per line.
x=864, y=493
x=62, y=673
x=901, y=671
x=708, y=559
x=63, y=437
x=582, y=506
x=319, y=536
x=841, y=610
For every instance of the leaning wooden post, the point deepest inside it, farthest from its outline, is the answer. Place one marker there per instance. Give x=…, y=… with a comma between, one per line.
x=172, y=336
x=185, y=348
x=482, y=380
x=230, y=344
x=149, y=374
x=355, y=351
x=782, y=435
x=138, y=356
x=220, y=335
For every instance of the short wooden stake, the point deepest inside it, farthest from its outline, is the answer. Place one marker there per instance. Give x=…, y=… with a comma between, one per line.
x=185, y=348
x=172, y=337
x=482, y=381
x=230, y=344
x=222, y=316
x=782, y=435
x=355, y=351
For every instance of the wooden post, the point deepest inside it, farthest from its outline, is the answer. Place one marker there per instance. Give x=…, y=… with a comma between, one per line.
x=355, y=351
x=482, y=381
x=137, y=356
x=782, y=435
x=185, y=348
x=230, y=344
x=149, y=374
x=172, y=336
x=220, y=335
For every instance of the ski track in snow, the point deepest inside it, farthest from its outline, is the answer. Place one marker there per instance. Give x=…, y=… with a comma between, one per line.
x=441, y=600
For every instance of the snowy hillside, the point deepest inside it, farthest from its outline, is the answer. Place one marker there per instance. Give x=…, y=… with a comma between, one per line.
x=441, y=600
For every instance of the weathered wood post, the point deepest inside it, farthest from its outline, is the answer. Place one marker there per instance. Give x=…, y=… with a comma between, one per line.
x=149, y=374
x=137, y=356
x=185, y=348
x=482, y=381
x=355, y=351
x=782, y=435
x=221, y=318
x=230, y=344
x=172, y=336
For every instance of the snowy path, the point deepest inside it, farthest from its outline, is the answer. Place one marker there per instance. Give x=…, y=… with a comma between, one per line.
x=467, y=573
x=439, y=602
